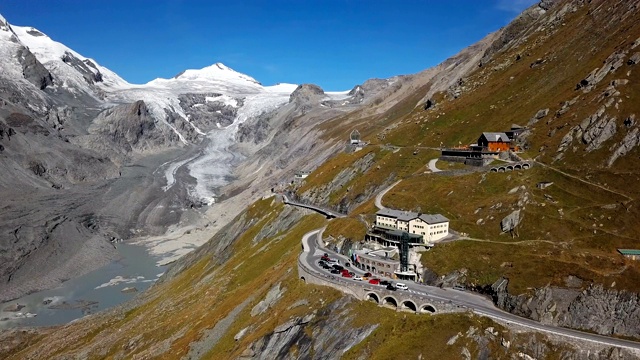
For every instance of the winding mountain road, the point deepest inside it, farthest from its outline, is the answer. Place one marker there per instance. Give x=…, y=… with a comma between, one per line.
x=432, y=165
x=474, y=302
x=378, y=201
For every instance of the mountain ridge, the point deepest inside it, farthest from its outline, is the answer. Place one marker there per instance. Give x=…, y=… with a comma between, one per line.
x=567, y=233
x=87, y=127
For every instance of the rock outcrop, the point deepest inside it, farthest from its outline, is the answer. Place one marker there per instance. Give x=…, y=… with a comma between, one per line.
x=272, y=297
x=210, y=110
x=33, y=70
x=510, y=222
x=127, y=128
x=322, y=194
x=631, y=140
x=305, y=96
x=539, y=115
x=606, y=312
x=326, y=334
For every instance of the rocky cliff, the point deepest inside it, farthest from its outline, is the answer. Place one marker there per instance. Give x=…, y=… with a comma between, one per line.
x=606, y=312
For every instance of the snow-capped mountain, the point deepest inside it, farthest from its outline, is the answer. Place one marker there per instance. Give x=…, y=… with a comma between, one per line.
x=185, y=107
x=65, y=64
x=86, y=151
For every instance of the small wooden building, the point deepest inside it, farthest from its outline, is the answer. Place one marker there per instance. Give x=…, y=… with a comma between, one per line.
x=494, y=141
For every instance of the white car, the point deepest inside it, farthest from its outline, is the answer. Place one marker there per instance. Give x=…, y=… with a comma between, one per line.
x=333, y=261
x=357, y=277
x=402, y=286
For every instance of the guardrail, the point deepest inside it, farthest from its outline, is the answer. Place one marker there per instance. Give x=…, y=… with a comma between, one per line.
x=348, y=287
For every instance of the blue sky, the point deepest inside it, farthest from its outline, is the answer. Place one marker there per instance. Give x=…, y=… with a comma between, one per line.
x=333, y=43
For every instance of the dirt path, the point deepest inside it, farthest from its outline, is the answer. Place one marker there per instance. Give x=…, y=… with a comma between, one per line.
x=584, y=181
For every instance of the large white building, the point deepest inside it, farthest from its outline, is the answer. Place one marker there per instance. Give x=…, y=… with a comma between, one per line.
x=432, y=228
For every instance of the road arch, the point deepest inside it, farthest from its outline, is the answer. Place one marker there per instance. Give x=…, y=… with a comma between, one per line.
x=494, y=170
x=517, y=167
x=427, y=308
x=409, y=305
x=372, y=297
x=526, y=166
x=509, y=168
x=501, y=169
x=390, y=300
x=303, y=279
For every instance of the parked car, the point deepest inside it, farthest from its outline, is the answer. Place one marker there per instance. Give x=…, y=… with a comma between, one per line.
x=346, y=275
x=327, y=267
x=334, y=271
x=390, y=287
x=325, y=255
x=402, y=286
x=385, y=282
x=374, y=281
x=338, y=267
x=352, y=273
x=357, y=277
x=368, y=274
x=459, y=287
x=333, y=261
x=322, y=263
x=344, y=271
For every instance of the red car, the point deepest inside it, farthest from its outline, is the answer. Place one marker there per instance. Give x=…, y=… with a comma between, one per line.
x=347, y=275
x=374, y=281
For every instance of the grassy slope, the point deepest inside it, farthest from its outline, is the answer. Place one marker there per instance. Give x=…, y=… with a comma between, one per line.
x=178, y=311
x=581, y=239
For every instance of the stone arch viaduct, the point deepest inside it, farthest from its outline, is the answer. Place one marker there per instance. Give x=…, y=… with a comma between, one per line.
x=522, y=165
x=398, y=300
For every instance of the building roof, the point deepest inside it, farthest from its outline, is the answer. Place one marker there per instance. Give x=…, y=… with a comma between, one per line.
x=433, y=218
x=496, y=136
x=410, y=215
x=398, y=214
x=629, y=251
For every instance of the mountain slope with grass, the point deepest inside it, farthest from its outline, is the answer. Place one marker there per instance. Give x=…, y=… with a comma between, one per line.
x=239, y=296
x=568, y=71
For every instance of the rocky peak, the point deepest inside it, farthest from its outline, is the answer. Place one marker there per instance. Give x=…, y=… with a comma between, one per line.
x=10, y=34
x=356, y=91
x=305, y=93
x=373, y=85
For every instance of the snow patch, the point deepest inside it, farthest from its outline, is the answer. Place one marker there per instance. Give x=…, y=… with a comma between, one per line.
x=337, y=95
x=122, y=280
x=224, y=99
